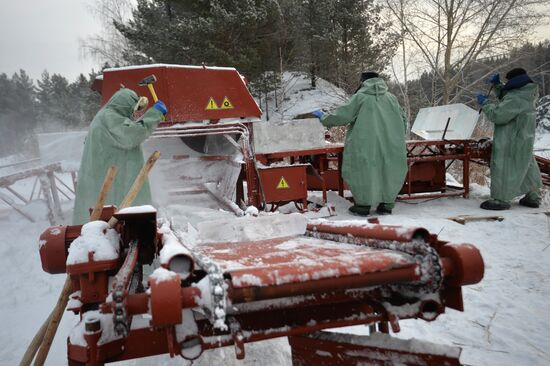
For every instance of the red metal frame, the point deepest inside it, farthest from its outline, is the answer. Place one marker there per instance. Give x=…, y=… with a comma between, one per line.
x=426, y=174
x=338, y=349
x=326, y=165
x=176, y=86
x=305, y=284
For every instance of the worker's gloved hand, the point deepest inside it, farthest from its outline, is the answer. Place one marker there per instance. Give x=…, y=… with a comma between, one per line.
x=318, y=113
x=481, y=99
x=494, y=79
x=160, y=106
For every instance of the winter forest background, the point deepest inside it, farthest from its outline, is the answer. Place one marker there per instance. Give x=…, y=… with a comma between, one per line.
x=430, y=52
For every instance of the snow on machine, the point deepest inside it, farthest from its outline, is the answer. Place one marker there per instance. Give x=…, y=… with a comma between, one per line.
x=229, y=279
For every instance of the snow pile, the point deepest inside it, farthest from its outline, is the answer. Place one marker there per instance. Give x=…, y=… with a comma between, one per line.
x=161, y=275
x=107, y=328
x=543, y=114
x=96, y=237
x=251, y=211
x=296, y=97
x=542, y=139
x=138, y=209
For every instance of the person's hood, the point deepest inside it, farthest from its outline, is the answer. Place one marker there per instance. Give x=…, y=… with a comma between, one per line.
x=123, y=102
x=374, y=86
x=514, y=83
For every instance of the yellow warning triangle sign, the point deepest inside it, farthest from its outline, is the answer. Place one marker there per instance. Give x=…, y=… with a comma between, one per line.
x=211, y=105
x=226, y=104
x=282, y=184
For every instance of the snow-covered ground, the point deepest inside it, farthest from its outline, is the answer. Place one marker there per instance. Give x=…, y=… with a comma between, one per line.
x=505, y=321
x=506, y=315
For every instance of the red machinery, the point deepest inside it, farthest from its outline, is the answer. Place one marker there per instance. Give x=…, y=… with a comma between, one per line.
x=192, y=93
x=215, y=294
x=223, y=96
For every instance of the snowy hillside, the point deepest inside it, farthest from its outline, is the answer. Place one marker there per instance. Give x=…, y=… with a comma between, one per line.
x=543, y=114
x=542, y=140
x=296, y=97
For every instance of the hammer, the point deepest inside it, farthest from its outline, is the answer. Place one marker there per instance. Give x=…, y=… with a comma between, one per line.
x=149, y=80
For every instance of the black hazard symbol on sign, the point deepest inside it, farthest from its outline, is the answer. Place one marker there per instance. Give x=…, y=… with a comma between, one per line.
x=211, y=104
x=282, y=184
x=226, y=104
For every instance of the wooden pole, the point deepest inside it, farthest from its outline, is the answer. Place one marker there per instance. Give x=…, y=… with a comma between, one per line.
x=105, y=188
x=35, y=343
x=46, y=333
x=138, y=183
x=53, y=324
x=64, y=297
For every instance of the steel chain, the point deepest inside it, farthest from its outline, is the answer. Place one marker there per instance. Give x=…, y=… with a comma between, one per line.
x=424, y=255
x=120, y=284
x=215, y=275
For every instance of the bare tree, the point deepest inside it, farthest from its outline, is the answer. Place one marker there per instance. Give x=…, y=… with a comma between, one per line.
x=451, y=35
x=402, y=82
x=109, y=45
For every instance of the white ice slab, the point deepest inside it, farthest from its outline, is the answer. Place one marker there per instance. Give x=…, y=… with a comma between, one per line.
x=430, y=122
x=296, y=134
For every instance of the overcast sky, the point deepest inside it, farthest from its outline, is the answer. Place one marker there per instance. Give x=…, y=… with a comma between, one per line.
x=44, y=34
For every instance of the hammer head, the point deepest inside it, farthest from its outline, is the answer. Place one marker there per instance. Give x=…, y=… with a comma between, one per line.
x=148, y=80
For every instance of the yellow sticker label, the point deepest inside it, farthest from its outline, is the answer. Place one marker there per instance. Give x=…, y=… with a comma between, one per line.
x=211, y=105
x=226, y=104
x=282, y=184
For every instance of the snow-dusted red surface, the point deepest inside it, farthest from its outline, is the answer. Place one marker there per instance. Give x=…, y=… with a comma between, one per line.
x=298, y=259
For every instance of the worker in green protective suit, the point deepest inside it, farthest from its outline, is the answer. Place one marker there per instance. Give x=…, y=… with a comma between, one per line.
x=375, y=162
x=514, y=170
x=115, y=139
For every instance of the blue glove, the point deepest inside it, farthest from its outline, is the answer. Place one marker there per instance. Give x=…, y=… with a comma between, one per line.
x=481, y=99
x=318, y=113
x=160, y=106
x=494, y=79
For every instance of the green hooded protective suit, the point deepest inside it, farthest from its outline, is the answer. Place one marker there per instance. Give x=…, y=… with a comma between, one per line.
x=375, y=161
x=514, y=170
x=114, y=139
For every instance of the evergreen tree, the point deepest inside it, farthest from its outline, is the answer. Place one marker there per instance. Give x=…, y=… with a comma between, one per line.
x=18, y=118
x=238, y=33
x=340, y=38
x=66, y=105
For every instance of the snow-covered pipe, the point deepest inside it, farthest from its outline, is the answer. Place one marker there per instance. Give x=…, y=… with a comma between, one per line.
x=174, y=256
x=369, y=231
x=182, y=264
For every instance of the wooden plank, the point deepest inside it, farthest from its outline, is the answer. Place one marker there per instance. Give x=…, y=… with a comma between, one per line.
x=8, y=180
x=463, y=219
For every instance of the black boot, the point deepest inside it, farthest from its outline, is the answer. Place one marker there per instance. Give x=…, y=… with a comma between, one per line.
x=529, y=201
x=495, y=205
x=384, y=209
x=360, y=210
